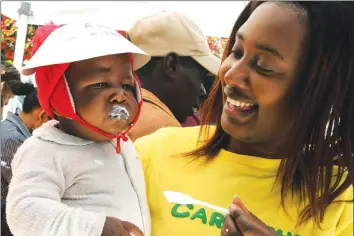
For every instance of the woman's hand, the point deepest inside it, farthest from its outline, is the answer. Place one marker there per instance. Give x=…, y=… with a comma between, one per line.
x=241, y=222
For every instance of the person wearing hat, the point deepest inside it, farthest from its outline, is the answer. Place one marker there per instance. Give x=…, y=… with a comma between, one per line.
x=11, y=84
x=172, y=80
x=79, y=174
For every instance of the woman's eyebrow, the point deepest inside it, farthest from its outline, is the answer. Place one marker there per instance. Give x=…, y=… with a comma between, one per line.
x=263, y=47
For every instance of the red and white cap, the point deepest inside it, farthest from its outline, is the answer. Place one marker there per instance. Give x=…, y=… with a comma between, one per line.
x=55, y=47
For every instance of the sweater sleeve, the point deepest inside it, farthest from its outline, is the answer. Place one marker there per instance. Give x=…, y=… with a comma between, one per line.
x=34, y=204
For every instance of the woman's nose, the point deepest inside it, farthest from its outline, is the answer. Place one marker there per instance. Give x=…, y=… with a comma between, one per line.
x=238, y=74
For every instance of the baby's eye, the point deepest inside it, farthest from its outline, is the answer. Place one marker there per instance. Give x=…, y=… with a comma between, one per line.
x=100, y=85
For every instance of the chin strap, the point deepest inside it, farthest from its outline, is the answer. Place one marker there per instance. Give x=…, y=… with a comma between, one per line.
x=69, y=111
x=124, y=137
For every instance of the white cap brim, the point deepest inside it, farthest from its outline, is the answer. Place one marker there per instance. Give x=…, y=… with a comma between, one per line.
x=210, y=62
x=77, y=42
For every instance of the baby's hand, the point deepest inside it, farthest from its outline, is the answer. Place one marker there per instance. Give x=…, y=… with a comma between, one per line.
x=116, y=227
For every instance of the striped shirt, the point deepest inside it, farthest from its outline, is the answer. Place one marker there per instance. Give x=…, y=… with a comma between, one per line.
x=13, y=134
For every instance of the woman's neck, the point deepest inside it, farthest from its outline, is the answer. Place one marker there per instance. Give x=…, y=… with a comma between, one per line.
x=269, y=151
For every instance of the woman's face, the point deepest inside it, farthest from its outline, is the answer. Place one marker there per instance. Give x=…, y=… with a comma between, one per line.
x=259, y=73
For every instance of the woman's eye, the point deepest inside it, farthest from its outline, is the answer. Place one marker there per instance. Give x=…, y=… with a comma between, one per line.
x=262, y=70
x=238, y=54
x=100, y=85
x=128, y=87
x=256, y=64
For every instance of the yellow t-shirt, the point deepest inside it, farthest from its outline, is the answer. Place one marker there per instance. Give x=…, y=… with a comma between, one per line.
x=216, y=182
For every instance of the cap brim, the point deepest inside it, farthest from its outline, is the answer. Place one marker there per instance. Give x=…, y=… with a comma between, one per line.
x=139, y=61
x=76, y=42
x=210, y=62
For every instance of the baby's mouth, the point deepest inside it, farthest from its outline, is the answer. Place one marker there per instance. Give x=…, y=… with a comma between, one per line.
x=119, y=113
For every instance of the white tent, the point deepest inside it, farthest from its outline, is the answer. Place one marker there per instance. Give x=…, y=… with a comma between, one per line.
x=215, y=18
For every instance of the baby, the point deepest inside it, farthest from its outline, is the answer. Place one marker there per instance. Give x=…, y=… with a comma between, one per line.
x=79, y=174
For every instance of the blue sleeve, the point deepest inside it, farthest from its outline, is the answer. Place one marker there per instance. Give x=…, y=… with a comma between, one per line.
x=8, y=149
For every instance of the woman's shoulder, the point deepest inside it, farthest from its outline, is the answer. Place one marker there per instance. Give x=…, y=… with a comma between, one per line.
x=170, y=141
x=173, y=136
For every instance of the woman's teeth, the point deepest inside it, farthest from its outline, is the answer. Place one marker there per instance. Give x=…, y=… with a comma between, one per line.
x=239, y=103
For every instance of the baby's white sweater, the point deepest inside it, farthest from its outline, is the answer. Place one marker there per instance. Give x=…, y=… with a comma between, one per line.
x=66, y=186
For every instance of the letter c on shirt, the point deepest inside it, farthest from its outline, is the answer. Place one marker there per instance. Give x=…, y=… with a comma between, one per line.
x=181, y=214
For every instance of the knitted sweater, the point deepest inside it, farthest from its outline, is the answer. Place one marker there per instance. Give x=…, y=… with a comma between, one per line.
x=66, y=186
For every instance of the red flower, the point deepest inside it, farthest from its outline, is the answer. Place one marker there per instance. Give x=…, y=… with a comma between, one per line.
x=9, y=55
x=3, y=44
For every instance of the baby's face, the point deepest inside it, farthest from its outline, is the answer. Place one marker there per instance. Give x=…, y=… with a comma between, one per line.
x=99, y=84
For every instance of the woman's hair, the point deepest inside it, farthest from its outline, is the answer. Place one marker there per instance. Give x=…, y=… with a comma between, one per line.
x=322, y=133
x=9, y=72
x=19, y=88
x=12, y=78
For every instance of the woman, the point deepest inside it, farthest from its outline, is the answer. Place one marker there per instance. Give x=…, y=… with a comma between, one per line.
x=11, y=84
x=284, y=107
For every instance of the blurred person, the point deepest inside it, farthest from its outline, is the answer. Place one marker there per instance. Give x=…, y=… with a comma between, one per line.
x=15, y=129
x=11, y=84
x=194, y=120
x=173, y=79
